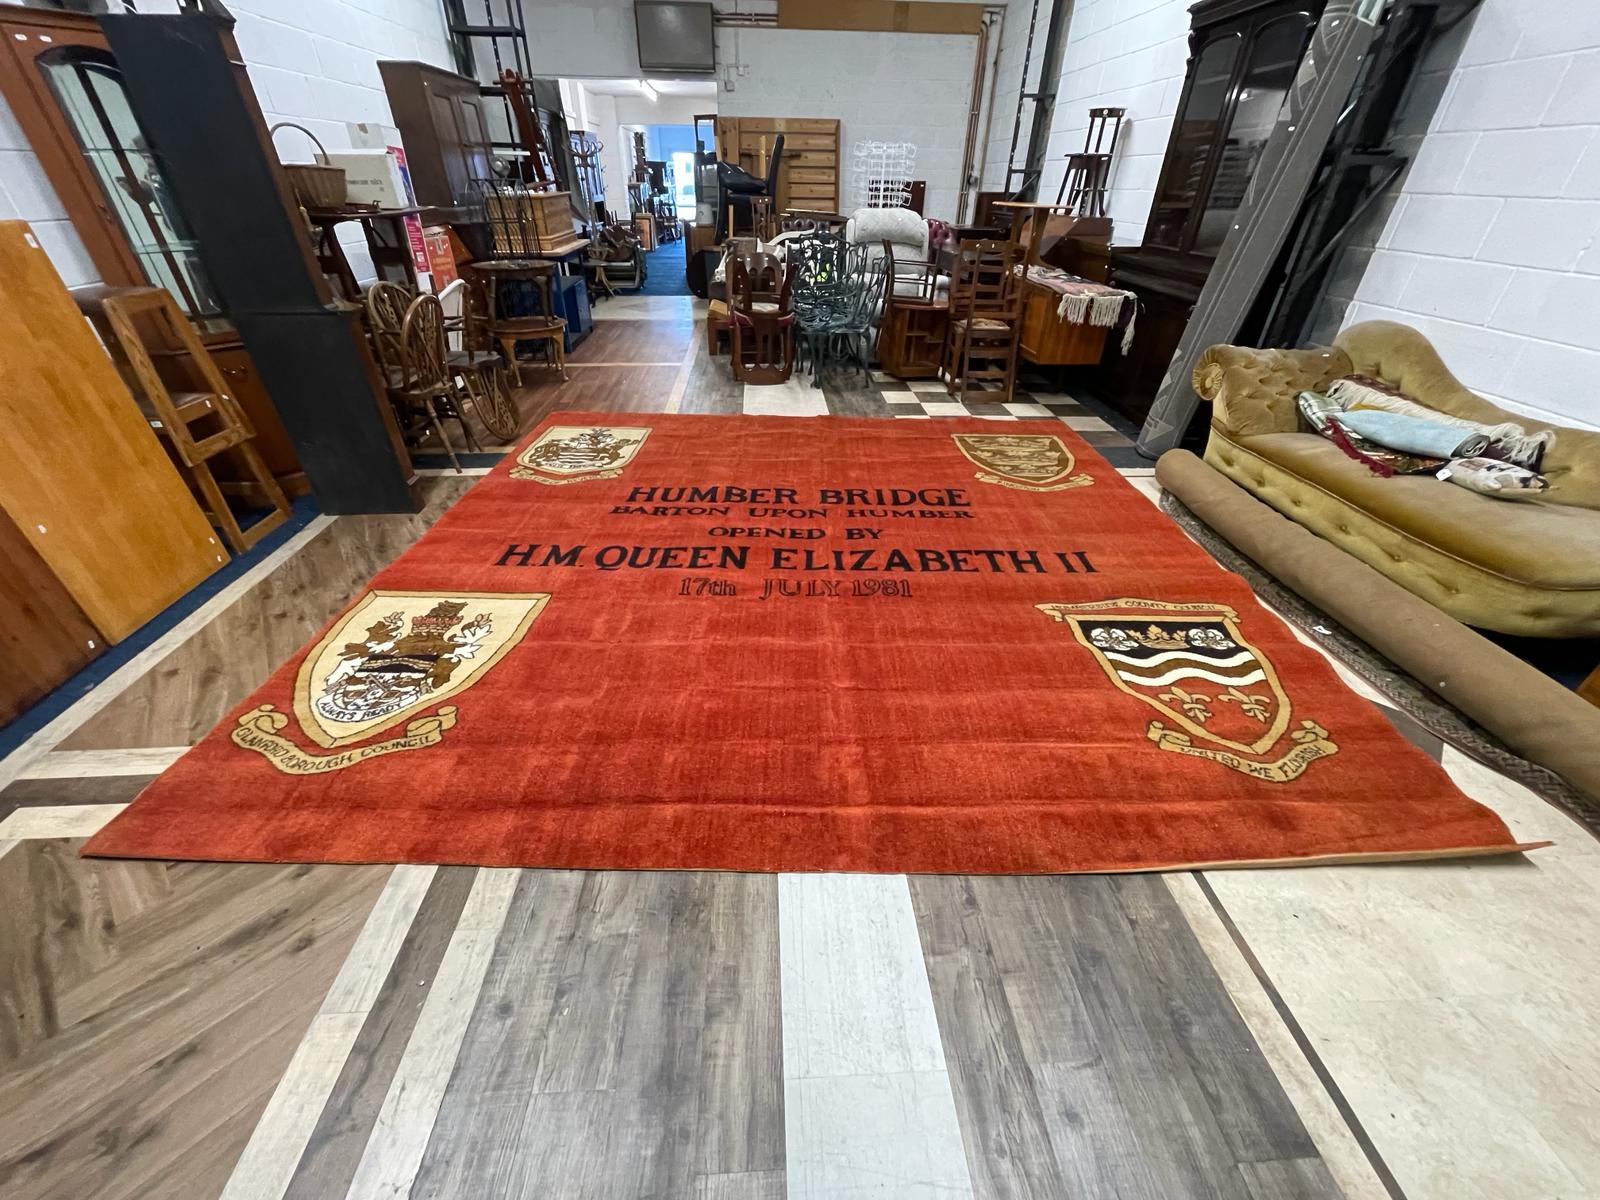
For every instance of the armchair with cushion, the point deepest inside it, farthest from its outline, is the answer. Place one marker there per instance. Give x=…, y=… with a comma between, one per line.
x=1528, y=567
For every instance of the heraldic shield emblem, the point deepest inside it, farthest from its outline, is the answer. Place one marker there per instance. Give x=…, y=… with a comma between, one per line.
x=392, y=656
x=1030, y=462
x=571, y=453
x=1217, y=696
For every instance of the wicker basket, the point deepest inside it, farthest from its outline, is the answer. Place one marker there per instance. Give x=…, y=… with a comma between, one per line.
x=316, y=185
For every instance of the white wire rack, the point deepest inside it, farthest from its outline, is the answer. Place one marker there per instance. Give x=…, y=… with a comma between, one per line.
x=882, y=173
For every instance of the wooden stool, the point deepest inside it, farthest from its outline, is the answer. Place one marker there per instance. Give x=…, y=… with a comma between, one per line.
x=509, y=329
x=197, y=424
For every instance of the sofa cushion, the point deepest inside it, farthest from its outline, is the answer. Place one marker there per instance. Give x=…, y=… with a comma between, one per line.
x=1539, y=543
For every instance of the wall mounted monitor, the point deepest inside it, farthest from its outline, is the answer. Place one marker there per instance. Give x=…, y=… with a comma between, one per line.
x=675, y=35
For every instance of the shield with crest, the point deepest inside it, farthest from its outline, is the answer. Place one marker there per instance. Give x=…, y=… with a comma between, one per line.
x=1032, y=462
x=569, y=453
x=397, y=653
x=1219, y=695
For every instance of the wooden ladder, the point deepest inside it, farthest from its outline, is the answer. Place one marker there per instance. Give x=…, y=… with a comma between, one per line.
x=138, y=325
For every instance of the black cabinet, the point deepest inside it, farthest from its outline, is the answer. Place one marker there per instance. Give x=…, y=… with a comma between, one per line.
x=1243, y=59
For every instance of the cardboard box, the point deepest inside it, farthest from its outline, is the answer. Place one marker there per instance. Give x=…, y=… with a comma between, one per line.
x=372, y=135
x=371, y=177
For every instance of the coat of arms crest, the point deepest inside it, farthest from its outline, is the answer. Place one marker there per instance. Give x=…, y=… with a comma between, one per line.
x=1030, y=462
x=569, y=453
x=413, y=651
x=1219, y=695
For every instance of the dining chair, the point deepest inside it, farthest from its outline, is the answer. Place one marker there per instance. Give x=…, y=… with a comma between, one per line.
x=985, y=318
x=482, y=369
x=762, y=318
x=425, y=391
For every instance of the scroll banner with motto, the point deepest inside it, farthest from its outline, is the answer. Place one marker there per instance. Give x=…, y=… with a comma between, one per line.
x=825, y=644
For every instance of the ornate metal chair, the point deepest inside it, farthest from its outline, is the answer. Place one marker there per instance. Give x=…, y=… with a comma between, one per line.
x=817, y=263
x=985, y=318
x=853, y=332
x=762, y=318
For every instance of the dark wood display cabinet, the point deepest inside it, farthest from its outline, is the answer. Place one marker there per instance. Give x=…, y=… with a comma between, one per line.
x=155, y=204
x=1243, y=59
x=62, y=83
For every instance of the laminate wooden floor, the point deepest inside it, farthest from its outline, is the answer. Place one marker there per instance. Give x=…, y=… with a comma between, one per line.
x=194, y=1030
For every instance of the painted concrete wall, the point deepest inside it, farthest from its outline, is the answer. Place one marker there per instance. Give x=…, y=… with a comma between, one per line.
x=1490, y=247
x=1125, y=53
x=891, y=87
x=25, y=194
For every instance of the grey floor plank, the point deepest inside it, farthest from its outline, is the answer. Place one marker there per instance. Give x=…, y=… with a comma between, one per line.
x=334, y=1150
x=625, y=1043
x=1253, y=1112
x=1003, y=1123
x=746, y=1185
x=712, y=387
x=1094, y=1051
x=1293, y=1179
x=473, y=1148
x=740, y=1131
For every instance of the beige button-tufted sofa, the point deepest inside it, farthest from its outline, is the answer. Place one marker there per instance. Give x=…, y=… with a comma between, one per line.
x=1522, y=567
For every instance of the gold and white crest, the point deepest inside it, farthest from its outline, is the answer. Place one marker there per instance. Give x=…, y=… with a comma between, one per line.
x=393, y=655
x=1220, y=697
x=570, y=453
x=1030, y=462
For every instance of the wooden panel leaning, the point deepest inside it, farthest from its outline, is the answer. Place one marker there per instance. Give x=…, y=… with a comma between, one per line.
x=44, y=636
x=197, y=413
x=81, y=472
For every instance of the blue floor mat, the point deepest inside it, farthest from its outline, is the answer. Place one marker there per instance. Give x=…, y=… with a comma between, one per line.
x=665, y=271
x=52, y=705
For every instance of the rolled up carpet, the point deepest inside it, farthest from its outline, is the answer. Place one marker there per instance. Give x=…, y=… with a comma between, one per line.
x=1532, y=714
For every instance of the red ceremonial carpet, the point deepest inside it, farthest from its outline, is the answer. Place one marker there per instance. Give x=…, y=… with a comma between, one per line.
x=777, y=644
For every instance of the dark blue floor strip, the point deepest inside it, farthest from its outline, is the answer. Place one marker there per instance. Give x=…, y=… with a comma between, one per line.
x=31, y=720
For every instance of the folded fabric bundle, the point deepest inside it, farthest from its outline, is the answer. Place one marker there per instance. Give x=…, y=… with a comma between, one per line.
x=1414, y=435
x=1491, y=477
x=1325, y=416
x=1508, y=441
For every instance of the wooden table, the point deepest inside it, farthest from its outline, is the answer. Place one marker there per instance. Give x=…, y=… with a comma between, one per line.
x=387, y=243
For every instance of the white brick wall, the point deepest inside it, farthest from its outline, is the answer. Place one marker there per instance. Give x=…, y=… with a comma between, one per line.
x=1489, y=247
x=313, y=62
x=26, y=194
x=895, y=87
x=1008, y=82
x=1119, y=53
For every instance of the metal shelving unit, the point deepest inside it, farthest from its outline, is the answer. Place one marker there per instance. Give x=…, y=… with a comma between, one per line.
x=497, y=29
